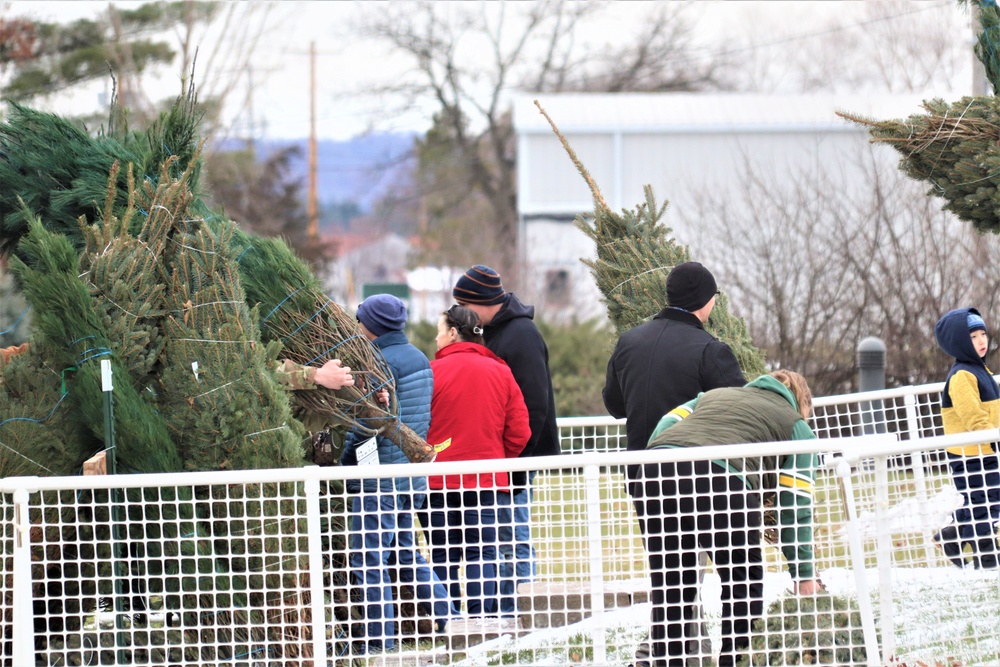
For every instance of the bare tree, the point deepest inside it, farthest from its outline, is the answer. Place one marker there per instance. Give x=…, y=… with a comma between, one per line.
x=466, y=58
x=814, y=270
x=45, y=59
x=881, y=45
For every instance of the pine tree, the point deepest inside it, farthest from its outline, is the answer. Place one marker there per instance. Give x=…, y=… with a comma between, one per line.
x=38, y=435
x=69, y=329
x=69, y=180
x=635, y=252
x=955, y=147
x=226, y=412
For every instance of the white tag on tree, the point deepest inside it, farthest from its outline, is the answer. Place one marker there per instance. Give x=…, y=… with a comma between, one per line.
x=367, y=453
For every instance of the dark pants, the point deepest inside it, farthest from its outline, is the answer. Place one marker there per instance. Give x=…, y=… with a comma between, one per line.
x=977, y=478
x=463, y=528
x=683, y=508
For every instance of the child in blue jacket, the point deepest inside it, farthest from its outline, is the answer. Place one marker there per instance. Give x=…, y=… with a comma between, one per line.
x=970, y=402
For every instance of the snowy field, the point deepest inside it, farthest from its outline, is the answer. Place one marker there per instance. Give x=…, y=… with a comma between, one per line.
x=941, y=613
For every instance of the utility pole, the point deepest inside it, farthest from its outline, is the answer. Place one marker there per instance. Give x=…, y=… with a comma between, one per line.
x=251, y=129
x=313, y=208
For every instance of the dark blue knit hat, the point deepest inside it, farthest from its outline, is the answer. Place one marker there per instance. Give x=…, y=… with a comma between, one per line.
x=975, y=322
x=480, y=285
x=382, y=313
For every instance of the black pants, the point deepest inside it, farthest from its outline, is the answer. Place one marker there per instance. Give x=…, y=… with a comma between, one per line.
x=977, y=478
x=683, y=508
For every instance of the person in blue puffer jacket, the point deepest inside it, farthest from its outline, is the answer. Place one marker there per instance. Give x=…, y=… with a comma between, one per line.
x=381, y=525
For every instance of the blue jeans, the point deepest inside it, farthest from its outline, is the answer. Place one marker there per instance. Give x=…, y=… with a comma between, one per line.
x=463, y=527
x=381, y=531
x=517, y=555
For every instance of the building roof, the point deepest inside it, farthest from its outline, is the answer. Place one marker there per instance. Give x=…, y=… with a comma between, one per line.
x=581, y=113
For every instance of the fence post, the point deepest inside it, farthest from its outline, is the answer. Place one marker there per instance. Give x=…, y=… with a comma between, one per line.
x=883, y=554
x=919, y=473
x=858, y=565
x=24, y=619
x=595, y=538
x=315, y=547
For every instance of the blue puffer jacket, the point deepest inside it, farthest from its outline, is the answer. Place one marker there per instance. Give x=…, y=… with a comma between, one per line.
x=414, y=389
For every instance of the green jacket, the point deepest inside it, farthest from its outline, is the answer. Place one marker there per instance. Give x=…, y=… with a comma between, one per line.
x=762, y=411
x=293, y=376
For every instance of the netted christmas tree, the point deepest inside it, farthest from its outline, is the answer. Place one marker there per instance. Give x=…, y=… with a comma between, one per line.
x=173, y=280
x=635, y=252
x=955, y=147
x=120, y=260
x=820, y=629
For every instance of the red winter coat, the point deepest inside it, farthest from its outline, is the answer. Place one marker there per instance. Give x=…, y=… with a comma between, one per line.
x=478, y=405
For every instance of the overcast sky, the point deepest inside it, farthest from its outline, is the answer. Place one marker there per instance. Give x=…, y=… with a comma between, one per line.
x=345, y=67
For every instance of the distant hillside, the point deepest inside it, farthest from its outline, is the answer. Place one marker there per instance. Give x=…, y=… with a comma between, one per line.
x=357, y=170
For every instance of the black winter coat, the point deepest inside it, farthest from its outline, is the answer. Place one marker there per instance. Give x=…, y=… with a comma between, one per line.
x=513, y=336
x=661, y=364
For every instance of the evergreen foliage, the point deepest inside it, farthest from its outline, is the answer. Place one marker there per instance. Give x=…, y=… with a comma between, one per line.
x=312, y=328
x=62, y=55
x=37, y=437
x=127, y=281
x=955, y=147
x=987, y=45
x=228, y=412
x=124, y=262
x=51, y=168
x=808, y=630
x=578, y=360
x=69, y=329
x=154, y=257
x=635, y=252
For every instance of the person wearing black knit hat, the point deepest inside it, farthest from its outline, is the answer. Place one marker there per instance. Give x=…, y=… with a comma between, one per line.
x=690, y=286
x=511, y=334
x=669, y=360
x=664, y=363
x=479, y=286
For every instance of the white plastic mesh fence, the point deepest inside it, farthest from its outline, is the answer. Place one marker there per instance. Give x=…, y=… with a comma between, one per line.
x=311, y=567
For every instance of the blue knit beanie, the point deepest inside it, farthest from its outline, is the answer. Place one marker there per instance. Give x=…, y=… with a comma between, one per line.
x=976, y=323
x=480, y=285
x=382, y=313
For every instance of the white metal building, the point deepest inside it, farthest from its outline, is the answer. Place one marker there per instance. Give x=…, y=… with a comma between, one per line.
x=681, y=144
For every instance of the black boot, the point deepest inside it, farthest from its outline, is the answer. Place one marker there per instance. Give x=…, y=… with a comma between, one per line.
x=987, y=556
x=947, y=540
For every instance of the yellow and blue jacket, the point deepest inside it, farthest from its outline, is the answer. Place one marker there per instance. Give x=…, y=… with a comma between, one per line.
x=970, y=400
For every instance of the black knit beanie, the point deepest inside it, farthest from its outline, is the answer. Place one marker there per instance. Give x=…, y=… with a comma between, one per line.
x=480, y=285
x=690, y=286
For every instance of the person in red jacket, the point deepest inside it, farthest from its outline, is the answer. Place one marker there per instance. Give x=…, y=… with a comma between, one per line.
x=477, y=412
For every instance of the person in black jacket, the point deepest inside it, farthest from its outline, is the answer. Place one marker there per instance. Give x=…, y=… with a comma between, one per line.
x=511, y=334
x=664, y=363
x=669, y=360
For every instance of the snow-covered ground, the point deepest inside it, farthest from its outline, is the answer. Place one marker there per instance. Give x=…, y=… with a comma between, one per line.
x=940, y=613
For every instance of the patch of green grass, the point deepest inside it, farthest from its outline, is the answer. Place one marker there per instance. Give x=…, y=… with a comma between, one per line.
x=560, y=524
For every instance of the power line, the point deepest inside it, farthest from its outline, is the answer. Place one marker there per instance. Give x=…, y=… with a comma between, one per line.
x=819, y=33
